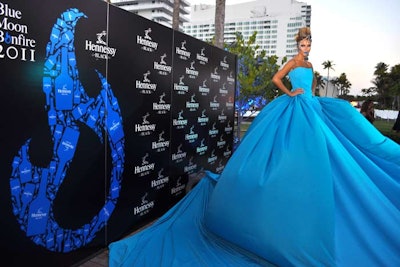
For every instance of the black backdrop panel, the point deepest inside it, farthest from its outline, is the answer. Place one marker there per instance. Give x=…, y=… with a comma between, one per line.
x=221, y=109
x=141, y=76
x=106, y=116
x=50, y=204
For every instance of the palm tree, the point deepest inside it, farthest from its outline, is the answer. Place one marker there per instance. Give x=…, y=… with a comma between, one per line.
x=368, y=92
x=343, y=84
x=219, y=23
x=394, y=77
x=381, y=69
x=320, y=82
x=328, y=65
x=381, y=82
x=175, y=15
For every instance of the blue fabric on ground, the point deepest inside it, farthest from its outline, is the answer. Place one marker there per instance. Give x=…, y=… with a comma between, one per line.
x=313, y=183
x=179, y=238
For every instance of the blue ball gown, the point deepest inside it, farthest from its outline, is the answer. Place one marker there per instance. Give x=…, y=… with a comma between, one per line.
x=312, y=183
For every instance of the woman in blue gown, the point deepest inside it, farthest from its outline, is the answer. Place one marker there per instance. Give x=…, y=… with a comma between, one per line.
x=313, y=183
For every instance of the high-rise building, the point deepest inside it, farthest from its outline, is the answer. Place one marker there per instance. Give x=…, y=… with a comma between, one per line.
x=160, y=11
x=276, y=23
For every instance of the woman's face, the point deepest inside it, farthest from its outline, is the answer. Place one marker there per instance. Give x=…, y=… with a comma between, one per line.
x=304, y=47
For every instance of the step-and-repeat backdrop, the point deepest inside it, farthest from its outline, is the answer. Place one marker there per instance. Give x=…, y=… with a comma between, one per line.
x=105, y=118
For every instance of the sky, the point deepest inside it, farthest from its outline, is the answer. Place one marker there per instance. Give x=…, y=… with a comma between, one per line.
x=355, y=35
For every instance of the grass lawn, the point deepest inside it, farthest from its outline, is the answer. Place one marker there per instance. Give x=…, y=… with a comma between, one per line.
x=384, y=126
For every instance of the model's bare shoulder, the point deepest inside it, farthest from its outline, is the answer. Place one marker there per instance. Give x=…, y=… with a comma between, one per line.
x=291, y=64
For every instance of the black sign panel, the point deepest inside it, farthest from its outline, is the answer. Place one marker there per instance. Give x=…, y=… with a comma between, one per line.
x=54, y=102
x=108, y=115
x=141, y=76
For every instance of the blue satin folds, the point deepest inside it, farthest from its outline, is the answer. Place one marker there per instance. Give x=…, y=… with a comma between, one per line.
x=312, y=183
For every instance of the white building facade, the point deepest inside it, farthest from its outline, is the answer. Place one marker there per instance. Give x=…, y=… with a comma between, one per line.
x=329, y=89
x=159, y=11
x=276, y=23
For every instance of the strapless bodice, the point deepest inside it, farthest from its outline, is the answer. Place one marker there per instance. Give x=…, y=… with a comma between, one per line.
x=301, y=77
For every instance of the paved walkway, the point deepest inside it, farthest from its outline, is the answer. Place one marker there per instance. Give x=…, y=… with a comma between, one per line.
x=101, y=259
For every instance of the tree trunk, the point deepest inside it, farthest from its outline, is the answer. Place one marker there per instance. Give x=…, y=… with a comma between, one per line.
x=219, y=23
x=175, y=15
x=327, y=85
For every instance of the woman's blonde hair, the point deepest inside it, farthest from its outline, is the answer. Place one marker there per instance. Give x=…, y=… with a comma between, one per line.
x=303, y=33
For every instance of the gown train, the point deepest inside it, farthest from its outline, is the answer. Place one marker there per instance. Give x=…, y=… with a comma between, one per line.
x=312, y=183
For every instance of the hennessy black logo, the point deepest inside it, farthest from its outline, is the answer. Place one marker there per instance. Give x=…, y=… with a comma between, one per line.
x=146, y=41
x=100, y=48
